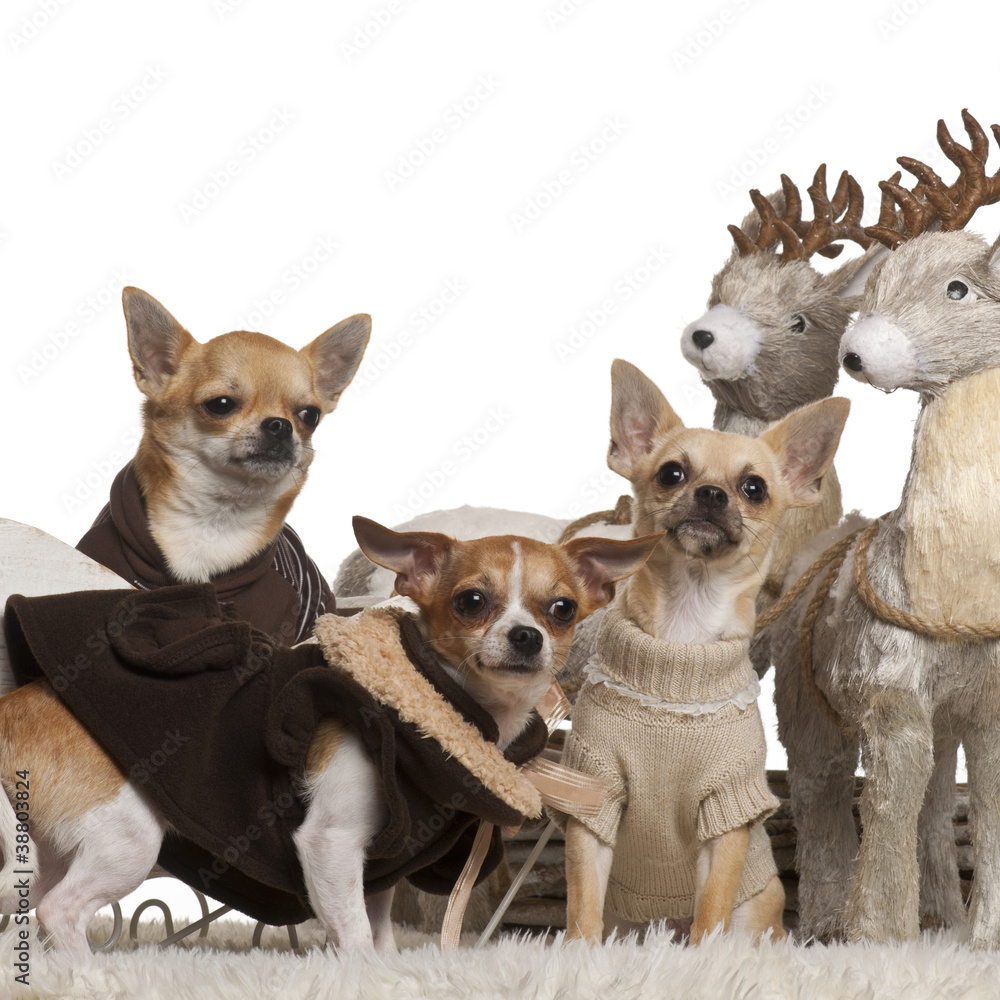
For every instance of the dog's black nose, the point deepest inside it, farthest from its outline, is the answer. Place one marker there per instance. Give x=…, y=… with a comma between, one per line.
x=526, y=640
x=702, y=339
x=852, y=362
x=279, y=428
x=711, y=497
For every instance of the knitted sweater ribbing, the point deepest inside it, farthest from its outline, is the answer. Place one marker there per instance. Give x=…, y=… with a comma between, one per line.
x=678, y=672
x=678, y=779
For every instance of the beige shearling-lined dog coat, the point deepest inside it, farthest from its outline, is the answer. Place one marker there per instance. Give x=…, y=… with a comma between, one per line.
x=676, y=730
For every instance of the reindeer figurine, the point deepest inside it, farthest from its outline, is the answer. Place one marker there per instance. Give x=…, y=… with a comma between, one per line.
x=768, y=343
x=903, y=635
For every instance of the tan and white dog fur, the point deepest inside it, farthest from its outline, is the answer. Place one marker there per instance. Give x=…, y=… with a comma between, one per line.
x=718, y=496
x=228, y=428
x=499, y=612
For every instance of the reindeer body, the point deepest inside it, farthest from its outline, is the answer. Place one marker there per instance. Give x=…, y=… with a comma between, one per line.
x=929, y=321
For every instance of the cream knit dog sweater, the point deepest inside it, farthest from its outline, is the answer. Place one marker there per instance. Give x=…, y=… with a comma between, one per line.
x=676, y=729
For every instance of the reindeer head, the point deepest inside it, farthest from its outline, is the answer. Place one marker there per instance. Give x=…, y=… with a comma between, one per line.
x=768, y=343
x=930, y=313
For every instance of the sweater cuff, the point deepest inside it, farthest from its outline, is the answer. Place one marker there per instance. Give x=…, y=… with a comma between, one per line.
x=744, y=798
x=579, y=754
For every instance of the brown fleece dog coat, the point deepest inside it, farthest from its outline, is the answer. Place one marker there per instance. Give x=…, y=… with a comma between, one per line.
x=213, y=722
x=280, y=590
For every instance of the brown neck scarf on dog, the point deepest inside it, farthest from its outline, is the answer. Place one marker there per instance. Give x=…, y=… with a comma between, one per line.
x=280, y=590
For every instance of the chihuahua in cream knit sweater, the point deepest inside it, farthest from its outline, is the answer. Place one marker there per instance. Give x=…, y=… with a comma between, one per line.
x=668, y=713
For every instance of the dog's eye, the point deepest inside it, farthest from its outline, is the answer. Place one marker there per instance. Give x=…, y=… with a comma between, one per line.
x=221, y=405
x=563, y=610
x=754, y=489
x=309, y=415
x=798, y=324
x=671, y=474
x=470, y=603
x=959, y=290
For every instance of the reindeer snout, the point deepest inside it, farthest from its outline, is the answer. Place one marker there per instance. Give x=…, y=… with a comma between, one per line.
x=722, y=344
x=877, y=351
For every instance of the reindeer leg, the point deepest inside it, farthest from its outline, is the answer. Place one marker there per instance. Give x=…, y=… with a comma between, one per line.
x=821, y=786
x=982, y=750
x=941, y=902
x=898, y=758
x=822, y=762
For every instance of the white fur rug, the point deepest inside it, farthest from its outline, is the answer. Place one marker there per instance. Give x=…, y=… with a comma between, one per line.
x=224, y=967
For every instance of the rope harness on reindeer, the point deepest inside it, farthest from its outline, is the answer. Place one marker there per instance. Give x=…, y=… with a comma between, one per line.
x=832, y=559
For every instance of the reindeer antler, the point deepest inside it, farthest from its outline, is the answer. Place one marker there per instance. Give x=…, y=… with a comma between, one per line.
x=914, y=214
x=825, y=229
x=800, y=240
x=887, y=230
x=931, y=198
x=768, y=236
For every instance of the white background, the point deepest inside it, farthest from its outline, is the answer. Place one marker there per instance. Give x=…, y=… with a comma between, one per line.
x=658, y=118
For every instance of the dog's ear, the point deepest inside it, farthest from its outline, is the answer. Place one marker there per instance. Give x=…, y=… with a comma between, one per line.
x=336, y=354
x=601, y=562
x=416, y=557
x=805, y=442
x=640, y=414
x=156, y=340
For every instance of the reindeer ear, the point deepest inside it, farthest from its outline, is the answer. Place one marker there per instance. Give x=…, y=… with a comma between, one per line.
x=601, y=562
x=640, y=414
x=805, y=442
x=849, y=280
x=995, y=254
x=416, y=557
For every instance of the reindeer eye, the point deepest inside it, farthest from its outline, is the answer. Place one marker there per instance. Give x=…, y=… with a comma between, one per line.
x=957, y=290
x=671, y=474
x=470, y=603
x=563, y=610
x=798, y=324
x=754, y=489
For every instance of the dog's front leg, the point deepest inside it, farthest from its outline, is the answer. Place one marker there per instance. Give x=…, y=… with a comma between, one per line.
x=719, y=872
x=346, y=809
x=588, y=865
x=379, y=906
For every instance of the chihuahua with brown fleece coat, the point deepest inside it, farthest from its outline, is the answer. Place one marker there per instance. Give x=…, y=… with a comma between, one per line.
x=668, y=714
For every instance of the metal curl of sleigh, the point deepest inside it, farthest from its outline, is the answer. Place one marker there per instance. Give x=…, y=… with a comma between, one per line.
x=173, y=937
